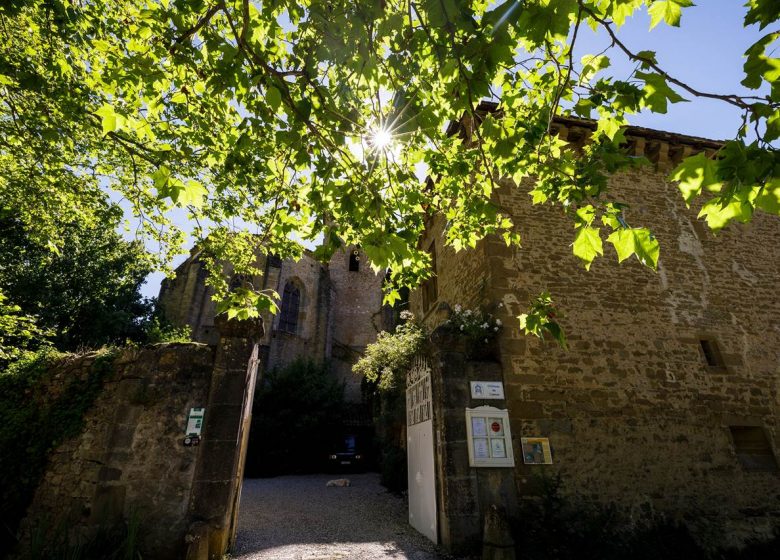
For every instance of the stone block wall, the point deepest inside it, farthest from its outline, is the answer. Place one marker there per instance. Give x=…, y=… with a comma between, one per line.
x=635, y=414
x=130, y=460
x=461, y=277
x=465, y=494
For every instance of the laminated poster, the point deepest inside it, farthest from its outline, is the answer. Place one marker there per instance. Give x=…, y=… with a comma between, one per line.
x=478, y=427
x=481, y=449
x=497, y=448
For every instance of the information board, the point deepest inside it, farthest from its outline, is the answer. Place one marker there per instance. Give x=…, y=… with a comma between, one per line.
x=489, y=437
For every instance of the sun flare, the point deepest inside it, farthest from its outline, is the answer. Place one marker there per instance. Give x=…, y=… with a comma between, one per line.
x=381, y=138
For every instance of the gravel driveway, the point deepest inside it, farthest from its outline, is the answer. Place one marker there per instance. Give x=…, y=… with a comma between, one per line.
x=299, y=518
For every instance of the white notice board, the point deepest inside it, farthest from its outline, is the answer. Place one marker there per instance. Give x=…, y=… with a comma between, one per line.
x=489, y=437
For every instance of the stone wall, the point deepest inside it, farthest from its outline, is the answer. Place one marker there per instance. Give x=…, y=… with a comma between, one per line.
x=358, y=316
x=130, y=460
x=635, y=415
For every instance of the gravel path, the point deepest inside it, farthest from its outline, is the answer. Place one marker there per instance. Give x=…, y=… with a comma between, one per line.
x=299, y=518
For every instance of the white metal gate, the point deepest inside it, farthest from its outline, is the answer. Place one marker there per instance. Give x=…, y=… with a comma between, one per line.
x=420, y=449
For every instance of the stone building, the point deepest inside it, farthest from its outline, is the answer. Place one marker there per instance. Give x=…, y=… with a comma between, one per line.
x=327, y=311
x=667, y=400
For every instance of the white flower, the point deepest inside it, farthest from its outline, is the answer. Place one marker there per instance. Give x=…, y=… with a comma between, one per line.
x=495, y=329
x=486, y=341
x=485, y=326
x=406, y=315
x=462, y=327
x=467, y=313
x=498, y=322
x=501, y=305
x=458, y=308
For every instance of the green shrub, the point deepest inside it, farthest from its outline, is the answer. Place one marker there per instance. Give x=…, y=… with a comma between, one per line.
x=552, y=527
x=32, y=424
x=160, y=330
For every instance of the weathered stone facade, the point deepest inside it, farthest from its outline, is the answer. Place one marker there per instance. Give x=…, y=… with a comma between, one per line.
x=131, y=460
x=635, y=412
x=340, y=310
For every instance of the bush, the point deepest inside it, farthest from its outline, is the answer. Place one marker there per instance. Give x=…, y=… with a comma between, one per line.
x=554, y=528
x=160, y=330
x=297, y=410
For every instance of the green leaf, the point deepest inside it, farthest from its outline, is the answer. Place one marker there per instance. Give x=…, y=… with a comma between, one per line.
x=609, y=124
x=192, y=193
x=636, y=241
x=623, y=241
x=763, y=12
x=719, y=215
x=669, y=11
x=274, y=97
x=657, y=92
x=587, y=245
x=768, y=199
x=111, y=121
x=694, y=174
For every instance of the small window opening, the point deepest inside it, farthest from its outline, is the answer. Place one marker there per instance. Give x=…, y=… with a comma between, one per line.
x=711, y=353
x=274, y=261
x=354, y=261
x=753, y=449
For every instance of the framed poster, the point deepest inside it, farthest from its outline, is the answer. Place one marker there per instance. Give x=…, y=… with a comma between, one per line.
x=536, y=451
x=489, y=437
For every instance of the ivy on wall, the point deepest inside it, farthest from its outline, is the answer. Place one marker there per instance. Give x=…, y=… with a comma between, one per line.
x=34, y=420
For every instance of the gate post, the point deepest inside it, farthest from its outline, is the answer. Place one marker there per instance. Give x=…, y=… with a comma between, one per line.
x=465, y=494
x=217, y=485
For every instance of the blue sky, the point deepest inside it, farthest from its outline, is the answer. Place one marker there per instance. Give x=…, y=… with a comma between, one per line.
x=705, y=52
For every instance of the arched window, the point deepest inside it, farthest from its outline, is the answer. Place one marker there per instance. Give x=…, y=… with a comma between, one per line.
x=291, y=301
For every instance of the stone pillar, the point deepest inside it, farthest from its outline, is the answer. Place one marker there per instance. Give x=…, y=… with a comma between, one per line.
x=465, y=494
x=217, y=487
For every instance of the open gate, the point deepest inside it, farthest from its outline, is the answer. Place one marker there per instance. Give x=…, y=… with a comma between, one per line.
x=420, y=449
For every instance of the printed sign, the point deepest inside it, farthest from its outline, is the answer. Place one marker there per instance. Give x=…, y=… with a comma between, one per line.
x=481, y=448
x=536, y=451
x=478, y=427
x=487, y=390
x=195, y=421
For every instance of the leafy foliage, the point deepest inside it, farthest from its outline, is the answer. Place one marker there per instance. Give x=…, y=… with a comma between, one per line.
x=158, y=330
x=385, y=361
x=540, y=319
x=86, y=294
x=33, y=423
x=296, y=412
x=313, y=121
x=17, y=331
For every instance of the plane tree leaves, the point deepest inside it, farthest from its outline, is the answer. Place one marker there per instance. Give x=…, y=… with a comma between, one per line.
x=270, y=126
x=669, y=11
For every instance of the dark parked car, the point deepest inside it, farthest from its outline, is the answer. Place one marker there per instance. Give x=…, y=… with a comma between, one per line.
x=346, y=454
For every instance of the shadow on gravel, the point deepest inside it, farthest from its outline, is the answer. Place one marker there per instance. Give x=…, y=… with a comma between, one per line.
x=300, y=518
